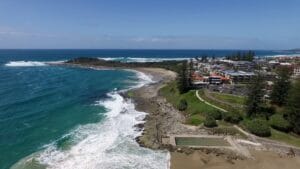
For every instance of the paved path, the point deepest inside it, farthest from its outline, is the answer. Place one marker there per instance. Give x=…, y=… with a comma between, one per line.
x=202, y=100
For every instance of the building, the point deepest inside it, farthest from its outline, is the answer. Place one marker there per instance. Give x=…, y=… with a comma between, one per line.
x=243, y=65
x=237, y=76
x=215, y=79
x=239, y=65
x=198, y=80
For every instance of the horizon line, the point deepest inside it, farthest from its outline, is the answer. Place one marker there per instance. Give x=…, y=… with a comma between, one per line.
x=141, y=49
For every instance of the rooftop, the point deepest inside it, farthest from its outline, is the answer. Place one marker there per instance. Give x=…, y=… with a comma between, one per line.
x=238, y=73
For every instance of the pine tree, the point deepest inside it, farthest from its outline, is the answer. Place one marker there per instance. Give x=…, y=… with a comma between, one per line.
x=256, y=93
x=182, y=82
x=293, y=106
x=238, y=56
x=281, y=86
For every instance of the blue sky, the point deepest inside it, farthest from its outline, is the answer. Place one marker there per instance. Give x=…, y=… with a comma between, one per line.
x=154, y=24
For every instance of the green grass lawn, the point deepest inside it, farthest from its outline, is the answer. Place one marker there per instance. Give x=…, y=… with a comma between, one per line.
x=196, y=109
x=285, y=137
x=216, y=103
x=229, y=98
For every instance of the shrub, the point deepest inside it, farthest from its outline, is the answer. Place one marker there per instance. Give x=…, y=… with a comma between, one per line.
x=258, y=127
x=215, y=114
x=278, y=122
x=210, y=122
x=182, y=106
x=267, y=111
x=232, y=117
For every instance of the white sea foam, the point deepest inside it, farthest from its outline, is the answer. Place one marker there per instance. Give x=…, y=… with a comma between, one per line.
x=139, y=59
x=109, y=144
x=25, y=63
x=145, y=79
x=31, y=63
x=281, y=55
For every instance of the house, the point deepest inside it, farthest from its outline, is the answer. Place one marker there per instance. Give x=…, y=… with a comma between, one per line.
x=199, y=80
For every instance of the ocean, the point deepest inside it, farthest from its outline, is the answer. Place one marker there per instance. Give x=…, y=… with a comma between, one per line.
x=69, y=118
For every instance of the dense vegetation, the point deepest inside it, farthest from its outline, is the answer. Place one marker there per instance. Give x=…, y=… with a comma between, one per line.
x=210, y=122
x=232, y=117
x=281, y=86
x=293, y=107
x=173, y=65
x=217, y=115
x=255, y=100
x=258, y=127
x=182, y=79
x=278, y=122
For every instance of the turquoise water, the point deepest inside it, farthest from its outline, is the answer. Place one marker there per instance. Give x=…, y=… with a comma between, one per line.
x=40, y=104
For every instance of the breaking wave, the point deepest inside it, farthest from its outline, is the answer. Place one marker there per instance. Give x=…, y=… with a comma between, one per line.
x=30, y=63
x=134, y=59
x=25, y=63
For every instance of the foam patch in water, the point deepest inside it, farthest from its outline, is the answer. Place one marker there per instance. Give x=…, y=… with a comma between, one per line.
x=25, y=63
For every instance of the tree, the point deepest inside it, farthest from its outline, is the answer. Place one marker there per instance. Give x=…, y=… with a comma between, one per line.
x=213, y=57
x=204, y=58
x=238, y=56
x=182, y=82
x=249, y=56
x=256, y=92
x=293, y=106
x=281, y=86
x=242, y=56
x=210, y=122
